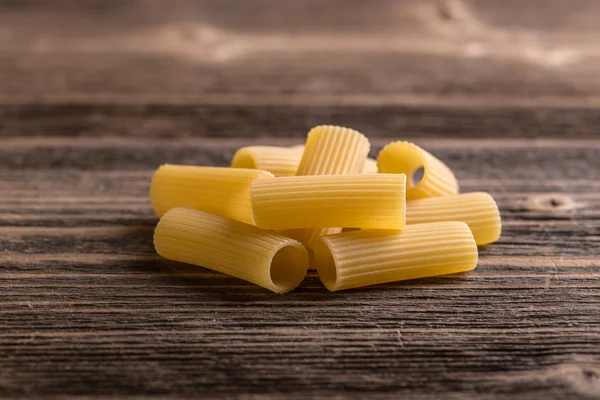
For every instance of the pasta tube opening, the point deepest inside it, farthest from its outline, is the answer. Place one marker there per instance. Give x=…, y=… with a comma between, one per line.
x=288, y=267
x=280, y=161
x=409, y=159
x=242, y=250
x=244, y=158
x=411, y=163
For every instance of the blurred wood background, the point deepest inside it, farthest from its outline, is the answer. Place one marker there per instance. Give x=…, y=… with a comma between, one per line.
x=95, y=94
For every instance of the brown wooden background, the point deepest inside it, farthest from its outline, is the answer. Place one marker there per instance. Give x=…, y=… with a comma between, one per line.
x=96, y=94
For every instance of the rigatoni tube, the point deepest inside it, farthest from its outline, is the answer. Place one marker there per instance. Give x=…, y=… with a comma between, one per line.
x=272, y=261
x=407, y=158
x=280, y=161
x=320, y=201
x=368, y=257
x=308, y=237
x=222, y=191
x=478, y=210
x=332, y=150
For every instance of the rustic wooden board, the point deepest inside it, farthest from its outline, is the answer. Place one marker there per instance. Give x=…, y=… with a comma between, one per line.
x=293, y=121
x=88, y=308
x=94, y=95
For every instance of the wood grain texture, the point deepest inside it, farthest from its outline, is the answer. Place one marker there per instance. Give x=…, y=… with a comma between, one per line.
x=87, y=304
x=294, y=121
x=94, y=95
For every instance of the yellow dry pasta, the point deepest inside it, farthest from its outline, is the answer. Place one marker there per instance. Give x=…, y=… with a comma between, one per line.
x=320, y=201
x=308, y=237
x=272, y=261
x=370, y=166
x=370, y=257
x=222, y=191
x=280, y=161
x=478, y=210
x=406, y=158
x=332, y=150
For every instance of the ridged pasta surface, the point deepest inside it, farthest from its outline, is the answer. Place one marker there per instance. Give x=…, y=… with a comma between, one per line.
x=369, y=257
x=222, y=191
x=308, y=237
x=478, y=210
x=280, y=161
x=332, y=150
x=272, y=261
x=406, y=158
x=357, y=200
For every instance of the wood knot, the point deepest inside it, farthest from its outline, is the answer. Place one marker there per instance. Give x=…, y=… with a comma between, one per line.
x=590, y=374
x=551, y=202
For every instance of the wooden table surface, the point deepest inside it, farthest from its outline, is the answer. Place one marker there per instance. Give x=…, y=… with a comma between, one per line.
x=94, y=95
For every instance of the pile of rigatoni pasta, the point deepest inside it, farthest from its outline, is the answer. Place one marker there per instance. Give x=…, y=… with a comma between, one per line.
x=282, y=210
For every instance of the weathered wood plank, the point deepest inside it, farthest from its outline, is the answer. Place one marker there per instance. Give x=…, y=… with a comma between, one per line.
x=129, y=322
x=160, y=324
x=256, y=120
x=396, y=75
x=524, y=160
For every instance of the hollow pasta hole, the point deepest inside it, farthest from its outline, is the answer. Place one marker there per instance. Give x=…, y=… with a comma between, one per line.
x=416, y=176
x=288, y=267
